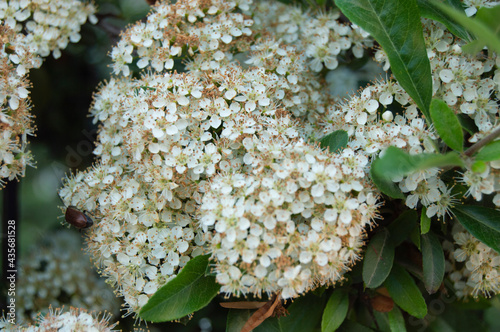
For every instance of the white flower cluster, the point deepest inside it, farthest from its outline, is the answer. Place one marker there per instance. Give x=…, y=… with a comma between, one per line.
x=466, y=83
x=74, y=320
x=170, y=146
x=48, y=26
x=472, y=266
x=29, y=30
x=321, y=36
x=16, y=58
x=294, y=221
x=57, y=273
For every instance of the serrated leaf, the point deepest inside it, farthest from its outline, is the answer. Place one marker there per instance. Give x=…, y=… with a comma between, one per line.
x=335, y=311
x=378, y=259
x=396, y=320
x=396, y=26
x=447, y=125
x=489, y=152
x=429, y=10
x=396, y=163
x=483, y=223
x=425, y=222
x=479, y=26
x=433, y=262
x=402, y=227
x=304, y=315
x=386, y=186
x=188, y=292
x=335, y=141
x=405, y=292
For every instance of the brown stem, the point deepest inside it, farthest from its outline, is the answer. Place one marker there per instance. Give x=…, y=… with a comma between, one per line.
x=478, y=145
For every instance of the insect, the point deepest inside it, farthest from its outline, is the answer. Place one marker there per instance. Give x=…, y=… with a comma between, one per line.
x=77, y=218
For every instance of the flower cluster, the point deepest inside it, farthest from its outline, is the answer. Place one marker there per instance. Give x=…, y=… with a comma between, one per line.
x=472, y=266
x=29, y=30
x=178, y=154
x=56, y=273
x=466, y=83
x=48, y=26
x=294, y=221
x=16, y=58
x=74, y=320
x=323, y=37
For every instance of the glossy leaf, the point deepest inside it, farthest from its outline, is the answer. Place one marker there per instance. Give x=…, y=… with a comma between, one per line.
x=396, y=26
x=188, y=292
x=335, y=311
x=428, y=9
x=405, y=292
x=395, y=162
x=304, y=315
x=433, y=262
x=402, y=227
x=378, y=259
x=396, y=320
x=489, y=152
x=385, y=185
x=480, y=26
x=335, y=141
x=483, y=223
x=447, y=125
x=425, y=222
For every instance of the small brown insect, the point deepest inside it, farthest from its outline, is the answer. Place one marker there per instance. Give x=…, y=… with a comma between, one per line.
x=77, y=218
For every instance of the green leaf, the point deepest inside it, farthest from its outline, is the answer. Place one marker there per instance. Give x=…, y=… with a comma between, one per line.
x=425, y=222
x=415, y=237
x=402, y=227
x=378, y=259
x=335, y=141
x=483, y=223
x=479, y=166
x=428, y=9
x=489, y=152
x=396, y=26
x=433, y=262
x=405, y=292
x=395, y=162
x=467, y=123
x=447, y=125
x=386, y=186
x=352, y=326
x=236, y=319
x=188, y=292
x=382, y=321
x=396, y=320
x=304, y=315
x=483, y=27
x=335, y=311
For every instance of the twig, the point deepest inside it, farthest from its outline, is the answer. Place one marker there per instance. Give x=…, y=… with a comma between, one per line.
x=478, y=145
